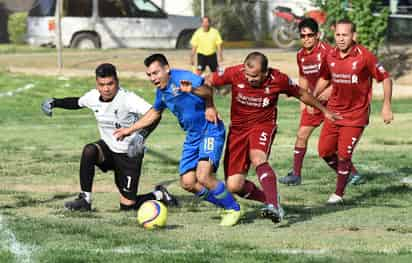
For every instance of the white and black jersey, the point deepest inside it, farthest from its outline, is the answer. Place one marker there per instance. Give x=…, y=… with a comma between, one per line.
x=124, y=110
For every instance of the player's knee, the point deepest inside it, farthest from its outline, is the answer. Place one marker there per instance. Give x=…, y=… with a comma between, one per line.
x=302, y=137
x=90, y=152
x=234, y=186
x=257, y=160
x=204, y=179
x=188, y=184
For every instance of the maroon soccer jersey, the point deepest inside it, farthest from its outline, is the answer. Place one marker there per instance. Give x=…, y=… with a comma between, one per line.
x=252, y=106
x=351, y=78
x=310, y=63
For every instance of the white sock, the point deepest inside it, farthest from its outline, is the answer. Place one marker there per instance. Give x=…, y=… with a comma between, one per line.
x=88, y=197
x=158, y=194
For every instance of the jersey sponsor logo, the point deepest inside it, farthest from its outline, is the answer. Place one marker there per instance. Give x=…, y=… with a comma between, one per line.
x=258, y=102
x=342, y=78
x=311, y=69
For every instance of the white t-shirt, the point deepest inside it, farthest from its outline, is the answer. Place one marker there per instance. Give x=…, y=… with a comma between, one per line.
x=124, y=110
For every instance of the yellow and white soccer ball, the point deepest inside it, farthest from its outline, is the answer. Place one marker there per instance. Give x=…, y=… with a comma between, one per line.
x=152, y=214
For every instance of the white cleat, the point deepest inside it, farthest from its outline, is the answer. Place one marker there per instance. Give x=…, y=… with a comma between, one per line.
x=334, y=199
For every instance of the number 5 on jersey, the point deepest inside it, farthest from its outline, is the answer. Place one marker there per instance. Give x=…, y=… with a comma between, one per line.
x=263, y=138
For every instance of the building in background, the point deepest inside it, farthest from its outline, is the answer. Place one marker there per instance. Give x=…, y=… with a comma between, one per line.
x=184, y=8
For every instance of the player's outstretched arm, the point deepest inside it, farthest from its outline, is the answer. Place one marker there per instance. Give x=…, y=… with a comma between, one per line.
x=146, y=120
x=387, y=114
x=310, y=100
x=321, y=85
x=70, y=103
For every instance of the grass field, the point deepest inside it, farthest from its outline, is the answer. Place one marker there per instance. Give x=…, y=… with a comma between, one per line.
x=39, y=159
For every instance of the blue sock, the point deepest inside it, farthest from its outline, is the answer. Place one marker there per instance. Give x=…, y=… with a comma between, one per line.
x=224, y=197
x=207, y=196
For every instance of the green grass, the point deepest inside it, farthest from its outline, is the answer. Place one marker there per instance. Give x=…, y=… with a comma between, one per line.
x=39, y=160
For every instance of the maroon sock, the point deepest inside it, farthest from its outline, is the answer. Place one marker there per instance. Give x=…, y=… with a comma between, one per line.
x=298, y=156
x=252, y=192
x=332, y=161
x=344, y=168
x=267, y=179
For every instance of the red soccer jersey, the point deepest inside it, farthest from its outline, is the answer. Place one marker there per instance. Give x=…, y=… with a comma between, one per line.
x=351, y=79
x=310, y=63
x=252, y=106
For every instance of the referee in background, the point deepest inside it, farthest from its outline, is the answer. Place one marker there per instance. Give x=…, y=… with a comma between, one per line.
x=207, y=44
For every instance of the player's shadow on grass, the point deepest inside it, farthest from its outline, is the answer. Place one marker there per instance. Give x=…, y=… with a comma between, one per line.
x=24, y=200
x=300, y=213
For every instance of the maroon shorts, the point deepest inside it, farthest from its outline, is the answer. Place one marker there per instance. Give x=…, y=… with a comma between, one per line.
x=313, y=120
x=241, y=141
x=338, y=139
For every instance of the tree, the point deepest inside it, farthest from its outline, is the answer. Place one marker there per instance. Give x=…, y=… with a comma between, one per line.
x=371, y=27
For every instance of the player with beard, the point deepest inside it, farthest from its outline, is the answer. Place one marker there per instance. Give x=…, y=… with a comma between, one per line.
x=255, y=90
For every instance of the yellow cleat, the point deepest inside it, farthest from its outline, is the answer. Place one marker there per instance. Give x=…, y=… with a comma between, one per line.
x=230, y=217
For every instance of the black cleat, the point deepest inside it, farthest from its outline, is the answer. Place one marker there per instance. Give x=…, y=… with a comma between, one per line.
x=291, y=179
x=78, y=204
x=168, y=199
x=272, y=213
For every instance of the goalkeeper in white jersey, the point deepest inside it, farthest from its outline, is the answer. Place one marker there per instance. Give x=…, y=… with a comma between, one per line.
x=113, y=107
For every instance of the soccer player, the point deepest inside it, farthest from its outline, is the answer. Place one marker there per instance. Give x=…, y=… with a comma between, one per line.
x=350, y=68
x=205, y=42
x=184, y=94
x=309, y=59
x=113, y=107
x=255, y=91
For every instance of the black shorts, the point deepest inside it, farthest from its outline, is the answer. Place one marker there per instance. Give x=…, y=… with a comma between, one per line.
x=203, y=61
x=126, y=170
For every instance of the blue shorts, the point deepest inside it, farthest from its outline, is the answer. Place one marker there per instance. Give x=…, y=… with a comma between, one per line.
x=206, y=145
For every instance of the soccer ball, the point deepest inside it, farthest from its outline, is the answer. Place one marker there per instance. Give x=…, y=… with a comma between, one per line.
x=152, y=214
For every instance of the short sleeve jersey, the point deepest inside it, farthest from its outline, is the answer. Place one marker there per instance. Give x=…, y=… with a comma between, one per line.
x=310, y=63
x=187, y=107
x=206, y=42
x=124, y=110
x=351, y=78
x=254, y=106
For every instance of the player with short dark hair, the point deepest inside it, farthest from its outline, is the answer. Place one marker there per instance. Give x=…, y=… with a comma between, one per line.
x=207, y=45
x=255, y=91
x=186, y=96
x=113, y=107
x=350, y=68
x=310, y=58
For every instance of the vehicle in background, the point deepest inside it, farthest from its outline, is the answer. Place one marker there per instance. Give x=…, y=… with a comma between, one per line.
x=285, y=32
x=109, y=24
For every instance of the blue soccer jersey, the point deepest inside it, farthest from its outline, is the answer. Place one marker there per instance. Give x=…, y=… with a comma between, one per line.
x=204, y=140
x=187, y=107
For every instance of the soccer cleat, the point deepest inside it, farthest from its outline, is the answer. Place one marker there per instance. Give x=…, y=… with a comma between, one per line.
x=291, y=179
x=334, y=199
x=168, y=199
x=78, y=204
x=272, y=213
x=230, y=217
x=356, y=179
